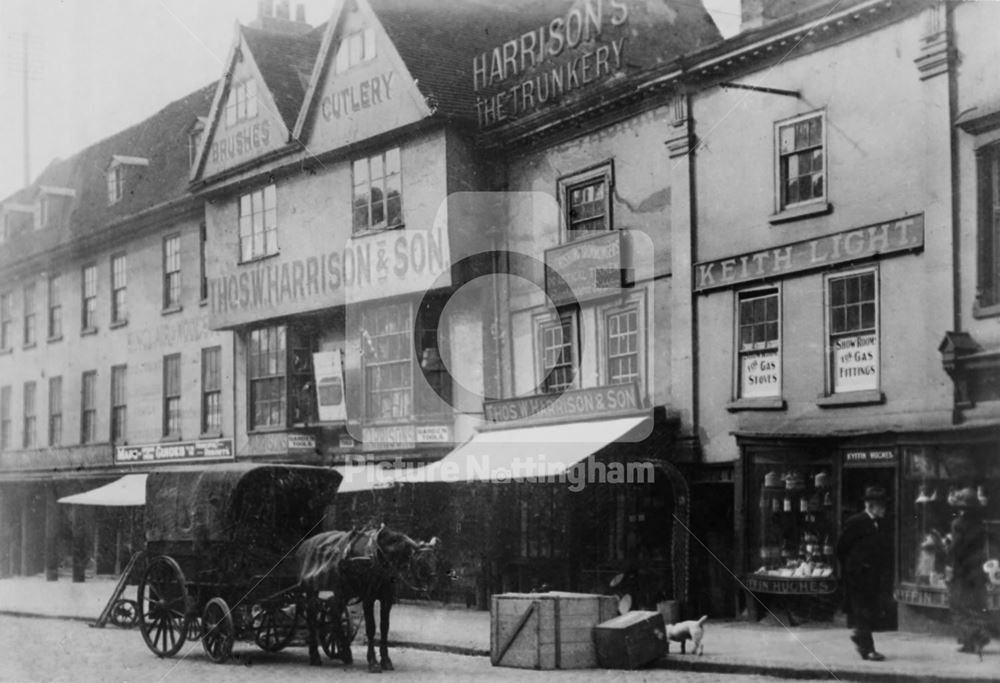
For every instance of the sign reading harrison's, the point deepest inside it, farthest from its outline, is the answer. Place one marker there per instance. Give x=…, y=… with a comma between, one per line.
x=389, y=263
x=595, y=402
x=902, y=234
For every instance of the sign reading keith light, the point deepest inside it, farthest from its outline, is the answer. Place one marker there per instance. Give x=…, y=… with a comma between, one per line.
x=899, y=235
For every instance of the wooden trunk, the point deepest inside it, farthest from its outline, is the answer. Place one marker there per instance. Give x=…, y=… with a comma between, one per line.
x=547, y=630
x=630, y=641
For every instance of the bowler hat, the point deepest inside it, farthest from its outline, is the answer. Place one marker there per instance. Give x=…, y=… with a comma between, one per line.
x=875, y=494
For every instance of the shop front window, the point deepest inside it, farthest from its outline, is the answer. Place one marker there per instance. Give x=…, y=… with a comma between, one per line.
x=792, y=524
x=933, y=477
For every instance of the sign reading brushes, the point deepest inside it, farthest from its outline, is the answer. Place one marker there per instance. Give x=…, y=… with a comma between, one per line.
x=329, y=369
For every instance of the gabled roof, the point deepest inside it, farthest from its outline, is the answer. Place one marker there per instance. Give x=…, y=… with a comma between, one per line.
x=285, y=62
x=162, y=139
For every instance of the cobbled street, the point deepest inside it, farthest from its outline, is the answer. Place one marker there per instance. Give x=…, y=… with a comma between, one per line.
x=63, y=650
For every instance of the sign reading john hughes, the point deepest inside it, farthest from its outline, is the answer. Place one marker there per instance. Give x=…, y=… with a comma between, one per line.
x=899, y=235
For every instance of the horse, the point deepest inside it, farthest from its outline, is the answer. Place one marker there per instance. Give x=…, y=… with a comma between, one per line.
x=363, y=565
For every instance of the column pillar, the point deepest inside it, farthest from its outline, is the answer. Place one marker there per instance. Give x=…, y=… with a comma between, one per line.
x=51, y=533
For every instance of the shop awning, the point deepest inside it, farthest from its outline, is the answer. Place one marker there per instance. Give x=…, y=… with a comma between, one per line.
x=129, y=490
x=525, y=452
x=363, y=478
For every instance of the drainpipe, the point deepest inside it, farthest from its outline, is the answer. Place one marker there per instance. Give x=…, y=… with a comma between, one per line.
x=956, y=196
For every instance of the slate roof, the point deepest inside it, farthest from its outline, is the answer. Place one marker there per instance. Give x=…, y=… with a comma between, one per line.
x=438, y=39
x=162, y=139
x=285, y=62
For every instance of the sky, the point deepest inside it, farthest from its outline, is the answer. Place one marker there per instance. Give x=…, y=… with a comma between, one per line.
x=96, y=67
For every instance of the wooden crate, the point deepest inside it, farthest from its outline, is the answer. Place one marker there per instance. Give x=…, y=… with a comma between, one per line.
x=547, y=630
x=630, y=641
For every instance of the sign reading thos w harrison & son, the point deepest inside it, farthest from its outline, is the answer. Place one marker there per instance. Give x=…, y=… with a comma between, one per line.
x=858, y=244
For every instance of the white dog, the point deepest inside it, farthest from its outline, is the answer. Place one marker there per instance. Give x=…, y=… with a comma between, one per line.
x=683, y=631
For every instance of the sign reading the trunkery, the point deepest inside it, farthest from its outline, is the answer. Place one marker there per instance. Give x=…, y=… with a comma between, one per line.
x=899, y=235
x=379, y=265
x=574, y=404
x=573, y=51
x=216, y=449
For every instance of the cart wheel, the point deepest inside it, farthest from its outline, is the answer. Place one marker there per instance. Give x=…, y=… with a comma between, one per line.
x=218, y=631
x=274, y=625
x=125, y=613
x=337, y=632
x=194, y=628
x=163, y=605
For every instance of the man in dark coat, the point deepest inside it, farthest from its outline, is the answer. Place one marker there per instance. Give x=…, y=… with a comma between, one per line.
x=864, y=554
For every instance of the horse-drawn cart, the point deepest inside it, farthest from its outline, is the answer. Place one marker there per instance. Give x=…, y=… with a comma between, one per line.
x=220, y=563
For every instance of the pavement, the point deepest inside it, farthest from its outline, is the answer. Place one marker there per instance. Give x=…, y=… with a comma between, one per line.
x=812, y=652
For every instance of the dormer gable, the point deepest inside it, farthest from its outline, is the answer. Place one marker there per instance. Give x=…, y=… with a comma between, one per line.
x=360, y=86
x=54, y=204
x=16, y=219
x=123, y=171
x=250, y=116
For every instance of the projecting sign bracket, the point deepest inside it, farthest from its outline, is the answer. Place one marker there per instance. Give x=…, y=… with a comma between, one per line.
x=760, y=88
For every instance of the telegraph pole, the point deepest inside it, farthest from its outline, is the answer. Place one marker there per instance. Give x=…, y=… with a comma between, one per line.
x=23, y=56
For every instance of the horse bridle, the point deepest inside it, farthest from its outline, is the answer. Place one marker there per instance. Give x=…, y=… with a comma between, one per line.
x=401, y=571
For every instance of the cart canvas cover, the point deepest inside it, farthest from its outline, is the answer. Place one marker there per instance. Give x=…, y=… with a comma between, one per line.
x=260, y=505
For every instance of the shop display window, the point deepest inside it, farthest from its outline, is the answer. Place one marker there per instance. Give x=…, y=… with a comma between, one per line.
x=793, y=525
x=932, y=478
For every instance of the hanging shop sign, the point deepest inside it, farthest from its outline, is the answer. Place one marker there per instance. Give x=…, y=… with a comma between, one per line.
x=573, y=51
x=380, y=265
x=896, y=236
x=216, y=449
x=574, y=404
x=329, y=369
x=588, y=268
x=869, y=457
x=385, y=437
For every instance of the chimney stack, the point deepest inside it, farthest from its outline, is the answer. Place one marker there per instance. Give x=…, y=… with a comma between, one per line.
x=757, y=13
x=276, y=18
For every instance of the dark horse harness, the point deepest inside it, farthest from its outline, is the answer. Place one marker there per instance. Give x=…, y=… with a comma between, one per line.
x=382, y=565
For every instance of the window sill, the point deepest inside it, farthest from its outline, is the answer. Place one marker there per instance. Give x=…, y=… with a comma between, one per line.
x=6, y=352
x=87, y=331
x=53, y=340
x=377, y=231
x=213, y=435
x=267, y=430
x=798, y=212
x=118, y=323
x=203, y=303
x=170, y=438
x=29, y=345
x=757, y=403
x=170, y=310
x=258, y=259
x=851, y=398
x=985, y=311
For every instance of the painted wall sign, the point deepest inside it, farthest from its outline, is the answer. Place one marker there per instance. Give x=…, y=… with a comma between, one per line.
x=899, y=235
x=216, y=449
x=240, y=144
x=381, y=265
x=404, y=435
x=574, y=404
x=590, y=267
x=358, y=97
x=877, y=456
x=539, y=67
x=329, y=369
x=169, y=334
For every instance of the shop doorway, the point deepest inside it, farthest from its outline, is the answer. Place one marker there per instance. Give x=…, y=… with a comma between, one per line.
x=854, y=482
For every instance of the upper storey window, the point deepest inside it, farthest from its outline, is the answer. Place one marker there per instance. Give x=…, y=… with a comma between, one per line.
x=258, y=224
x=356, y=48
x=17, y=218
x=242, y=103
x=586, y=201
x=801, y=161
x=377, y=191
x=54, y=205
